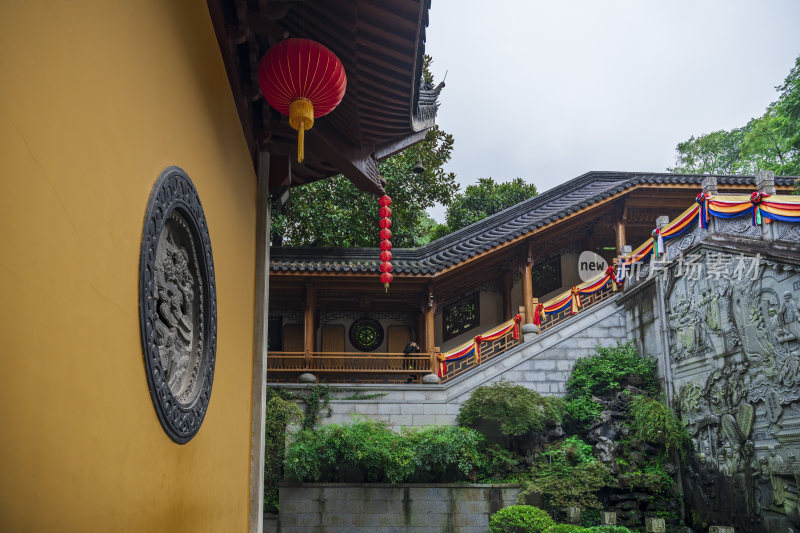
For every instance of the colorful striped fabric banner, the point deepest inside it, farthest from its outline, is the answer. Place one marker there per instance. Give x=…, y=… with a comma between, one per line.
x=473, y=347
x=572, y=298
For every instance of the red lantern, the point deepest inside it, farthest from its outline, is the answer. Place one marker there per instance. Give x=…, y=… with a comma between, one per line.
x=386, y=279
x=386, y=255
x=385, y=201
x=302, y=79
x=385, y=245
x=385, y=212
x=385, y=223
x=385, y=234
x=386, y=266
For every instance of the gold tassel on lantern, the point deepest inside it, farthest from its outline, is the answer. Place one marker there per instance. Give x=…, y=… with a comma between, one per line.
x=301, y=118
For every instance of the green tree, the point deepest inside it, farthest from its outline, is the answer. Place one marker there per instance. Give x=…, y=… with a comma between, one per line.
x=718, y=152
x=768, y=142
x=482, y=200
x=334, y=212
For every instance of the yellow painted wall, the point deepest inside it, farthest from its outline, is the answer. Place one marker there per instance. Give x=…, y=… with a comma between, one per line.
x=96, y=99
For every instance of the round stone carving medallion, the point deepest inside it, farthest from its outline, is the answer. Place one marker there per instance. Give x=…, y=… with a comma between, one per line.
x=177, y=305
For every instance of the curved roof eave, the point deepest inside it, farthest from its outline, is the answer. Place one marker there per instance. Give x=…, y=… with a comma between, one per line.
x=508, y=225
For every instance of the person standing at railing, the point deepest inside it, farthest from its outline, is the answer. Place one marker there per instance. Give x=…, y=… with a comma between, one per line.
x=411, y=347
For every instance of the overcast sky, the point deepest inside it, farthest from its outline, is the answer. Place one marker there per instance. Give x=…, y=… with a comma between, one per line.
x=550, y=90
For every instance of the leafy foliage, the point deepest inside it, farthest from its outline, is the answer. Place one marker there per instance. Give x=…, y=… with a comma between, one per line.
x=608, y=529
x=316, y=400
x=520, y=519
x=652, y=478
x=501, y=465
x=567, y=474
x=333, y=212
x=768, y=142
x=565, y=528
x=608, y=370
x=509, y=410
x=718, y=152
x=368, y=451
x=482, y=200
x=278, y=414
x=590, y=517
x=445, y=453
x=653, y=421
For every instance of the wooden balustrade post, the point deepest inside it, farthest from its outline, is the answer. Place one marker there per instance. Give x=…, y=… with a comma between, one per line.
x=522, y=314
x=435, y=360
x=308, y=322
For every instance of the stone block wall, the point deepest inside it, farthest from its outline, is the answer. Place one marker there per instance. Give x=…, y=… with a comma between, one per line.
x=384, y=508
x=542, y=363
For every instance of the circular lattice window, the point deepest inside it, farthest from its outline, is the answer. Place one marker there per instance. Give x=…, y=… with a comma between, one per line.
x=366, y=334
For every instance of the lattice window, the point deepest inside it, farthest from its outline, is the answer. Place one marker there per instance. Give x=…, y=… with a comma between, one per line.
x=366, y=334
x=546, y=276
x=461, y=316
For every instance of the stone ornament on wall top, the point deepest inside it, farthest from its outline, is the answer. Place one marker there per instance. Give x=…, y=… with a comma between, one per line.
x=177, y=305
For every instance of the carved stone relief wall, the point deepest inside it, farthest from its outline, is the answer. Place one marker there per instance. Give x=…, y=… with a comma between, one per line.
x=734, y=340
x=178, y=306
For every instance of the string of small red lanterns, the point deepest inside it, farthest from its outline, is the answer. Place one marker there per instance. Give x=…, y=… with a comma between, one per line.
x=386, y=245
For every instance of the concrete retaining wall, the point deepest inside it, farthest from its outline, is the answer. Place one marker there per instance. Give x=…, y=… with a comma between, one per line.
x=542, y=363
x=384, y=508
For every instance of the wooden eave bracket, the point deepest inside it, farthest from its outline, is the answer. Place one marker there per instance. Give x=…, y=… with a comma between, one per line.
x=360, y=166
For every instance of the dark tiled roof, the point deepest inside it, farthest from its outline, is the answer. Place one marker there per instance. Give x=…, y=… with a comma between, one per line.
x=504, y=226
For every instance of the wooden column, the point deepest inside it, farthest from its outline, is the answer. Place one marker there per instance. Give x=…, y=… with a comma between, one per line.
x=430, y=311
x=619, y=227
x=260, y=346
x=507, y=283
x=527, y=285
x=310, y=327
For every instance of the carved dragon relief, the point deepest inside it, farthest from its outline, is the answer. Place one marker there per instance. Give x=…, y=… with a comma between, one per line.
x=180, y=343
x=735, y=357
x=177, y=305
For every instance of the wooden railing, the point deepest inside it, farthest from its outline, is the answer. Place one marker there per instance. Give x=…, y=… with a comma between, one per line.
x=348, y=367
x=489, y=350
x=586, y=301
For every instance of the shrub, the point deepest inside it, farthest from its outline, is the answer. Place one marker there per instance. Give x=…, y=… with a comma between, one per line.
x=368, y=451
x=654, y=422
x=590, y=517
x=279, y=413
x=445, y=453
x=610, y=369
x=568, y=475
x=500, y=464
x=507, y=410
x=520, y=519
x=362, y=451
x=565, y=528
x=608, y=529
x=652, y=478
